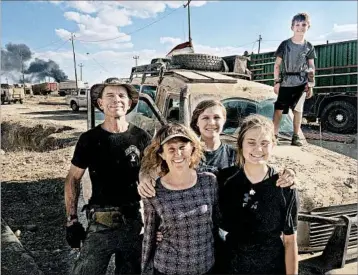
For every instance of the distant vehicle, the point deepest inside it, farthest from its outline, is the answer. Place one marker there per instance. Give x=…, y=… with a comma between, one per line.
x=44, y=88
x=77, y=99
x=12, y=93
x=66, y=87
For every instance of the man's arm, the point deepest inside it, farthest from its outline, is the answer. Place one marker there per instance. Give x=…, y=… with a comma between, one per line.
x=72, y=189
x=147, y=183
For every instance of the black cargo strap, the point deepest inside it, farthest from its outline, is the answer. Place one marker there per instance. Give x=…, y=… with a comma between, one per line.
x=295, y=73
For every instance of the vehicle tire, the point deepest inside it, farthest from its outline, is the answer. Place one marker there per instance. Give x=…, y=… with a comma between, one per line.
x=21, y=101
x=339, y=117
x=74, y=106
x=197, y=61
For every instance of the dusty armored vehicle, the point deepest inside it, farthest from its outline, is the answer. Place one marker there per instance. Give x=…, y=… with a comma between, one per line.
x=12, y=93
x=327, y=180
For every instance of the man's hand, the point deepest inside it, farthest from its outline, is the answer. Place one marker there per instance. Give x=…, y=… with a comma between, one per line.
x=75, y=233
x=159, y=237
x=286, y=178
x=309, y=92
x=146, y=187
x=276, y=88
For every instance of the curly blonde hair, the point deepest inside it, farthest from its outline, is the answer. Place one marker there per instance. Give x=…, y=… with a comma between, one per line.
x=152, y=160
x=299, y=17
x=253, y=122
x=200, y=108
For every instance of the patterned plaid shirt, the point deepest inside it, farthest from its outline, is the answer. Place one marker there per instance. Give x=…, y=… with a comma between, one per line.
x=188, y=221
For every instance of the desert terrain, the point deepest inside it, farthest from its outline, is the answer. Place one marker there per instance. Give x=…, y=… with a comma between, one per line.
x=37, y=143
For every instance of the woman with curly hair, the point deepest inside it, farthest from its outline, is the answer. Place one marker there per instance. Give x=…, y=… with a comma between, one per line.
x=184, y=209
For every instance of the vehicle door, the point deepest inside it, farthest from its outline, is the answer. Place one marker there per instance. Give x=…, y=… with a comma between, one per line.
x=82, y=98
x=171, y=110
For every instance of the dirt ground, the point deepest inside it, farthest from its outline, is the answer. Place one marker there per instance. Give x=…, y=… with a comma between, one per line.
x=38, y=139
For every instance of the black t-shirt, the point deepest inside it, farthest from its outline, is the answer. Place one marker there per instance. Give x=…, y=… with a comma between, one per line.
x=255, y=220
x=213, y=161
x=113, y=161
x=265, y=212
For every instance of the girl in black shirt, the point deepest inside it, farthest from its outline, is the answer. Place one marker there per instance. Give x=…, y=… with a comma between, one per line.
x=260, y=218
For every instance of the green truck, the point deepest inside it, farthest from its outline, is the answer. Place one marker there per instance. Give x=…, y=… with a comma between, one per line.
x=334, y=102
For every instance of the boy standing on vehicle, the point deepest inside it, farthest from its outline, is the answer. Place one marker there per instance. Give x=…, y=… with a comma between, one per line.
x=112, y=152
x=296, y=80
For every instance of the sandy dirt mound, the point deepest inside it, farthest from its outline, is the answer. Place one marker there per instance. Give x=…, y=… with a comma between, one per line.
x=324, y=177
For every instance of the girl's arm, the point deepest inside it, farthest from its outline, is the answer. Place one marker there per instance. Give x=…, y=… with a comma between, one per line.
x=149, y=241
x=290, y=229
x=291, y=254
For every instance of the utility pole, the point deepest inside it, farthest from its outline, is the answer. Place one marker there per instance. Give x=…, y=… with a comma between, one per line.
x=260, y=38
x=23, y=74
x=136, y=57
x=7, y=80
x=74, y=60
x=80, y=65
x=188, y=5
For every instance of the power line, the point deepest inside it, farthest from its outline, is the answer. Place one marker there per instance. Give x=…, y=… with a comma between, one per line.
x=42, y=55
x=55, y=49
x=53, y=43
x=135, y=31
x=101, y=66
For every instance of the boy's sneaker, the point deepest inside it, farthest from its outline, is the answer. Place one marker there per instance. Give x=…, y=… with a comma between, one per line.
x=296, y=140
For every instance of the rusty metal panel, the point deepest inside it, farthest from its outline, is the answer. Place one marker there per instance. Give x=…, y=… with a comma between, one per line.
x=320, y=233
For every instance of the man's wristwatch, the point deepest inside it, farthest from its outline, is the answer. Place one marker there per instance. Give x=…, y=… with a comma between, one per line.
x=72, y=217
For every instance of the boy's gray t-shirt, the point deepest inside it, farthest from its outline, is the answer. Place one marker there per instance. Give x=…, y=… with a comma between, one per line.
x=295, y=60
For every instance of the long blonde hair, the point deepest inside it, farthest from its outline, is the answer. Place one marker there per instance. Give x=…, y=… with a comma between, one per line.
x=152, y=160
x=252, y=122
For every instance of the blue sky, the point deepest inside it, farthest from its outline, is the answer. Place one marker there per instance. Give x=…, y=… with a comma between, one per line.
x=218, y=27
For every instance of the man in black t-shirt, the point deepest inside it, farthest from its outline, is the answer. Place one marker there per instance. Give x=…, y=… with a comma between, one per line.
x=111, y=152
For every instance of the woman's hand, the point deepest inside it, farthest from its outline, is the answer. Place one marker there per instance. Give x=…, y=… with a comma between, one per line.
x=286, y=178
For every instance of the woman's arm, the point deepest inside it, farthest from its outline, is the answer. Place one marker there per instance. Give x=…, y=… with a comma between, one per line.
x=149, y=242
x=291, y=254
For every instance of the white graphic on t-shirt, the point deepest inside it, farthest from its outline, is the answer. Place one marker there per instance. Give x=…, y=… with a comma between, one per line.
x=134, y=154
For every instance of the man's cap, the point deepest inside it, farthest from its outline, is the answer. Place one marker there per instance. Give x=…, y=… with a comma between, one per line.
x=181, y=135
x=97, y=90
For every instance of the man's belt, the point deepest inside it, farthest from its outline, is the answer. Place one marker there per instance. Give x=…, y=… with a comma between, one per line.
x=108, y=216
x=112, y=219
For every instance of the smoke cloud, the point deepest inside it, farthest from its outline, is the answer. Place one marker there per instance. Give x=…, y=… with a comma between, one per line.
x=14, y=56
x=40, y=69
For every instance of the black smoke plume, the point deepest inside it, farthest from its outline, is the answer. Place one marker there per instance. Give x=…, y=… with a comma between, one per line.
x=40, y=69
x=14, y=56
